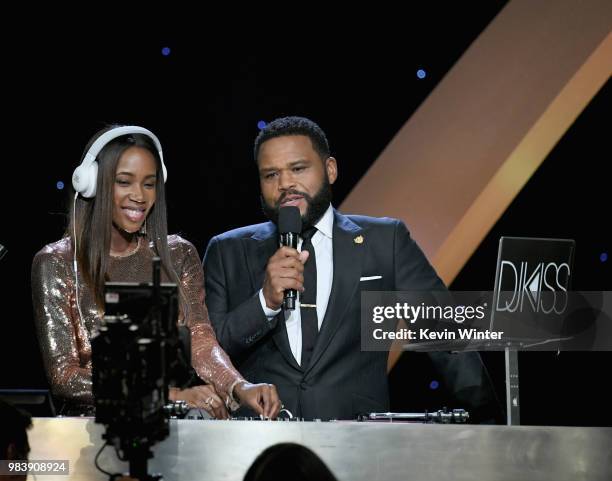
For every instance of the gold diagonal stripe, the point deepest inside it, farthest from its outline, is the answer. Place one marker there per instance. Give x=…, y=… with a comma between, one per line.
x=465, y=154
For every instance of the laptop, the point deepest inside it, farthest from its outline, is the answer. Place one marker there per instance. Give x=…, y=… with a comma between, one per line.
x=531, y=290
x=532, y=281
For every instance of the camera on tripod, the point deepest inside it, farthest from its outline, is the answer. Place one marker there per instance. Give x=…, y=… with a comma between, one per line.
x=138, y=353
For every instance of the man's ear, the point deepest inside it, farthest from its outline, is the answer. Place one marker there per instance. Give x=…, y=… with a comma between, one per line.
x=331, y=167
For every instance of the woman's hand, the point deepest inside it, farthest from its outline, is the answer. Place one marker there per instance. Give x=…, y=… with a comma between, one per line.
x=262, y=398
x=204, y=397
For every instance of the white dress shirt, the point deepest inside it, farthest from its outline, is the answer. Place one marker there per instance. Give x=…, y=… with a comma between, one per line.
x=323, y=246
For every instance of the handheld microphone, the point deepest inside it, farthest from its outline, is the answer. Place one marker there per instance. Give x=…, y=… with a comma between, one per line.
x=289, y=228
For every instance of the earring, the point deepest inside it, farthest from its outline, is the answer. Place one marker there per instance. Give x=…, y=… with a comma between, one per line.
x=143, y=228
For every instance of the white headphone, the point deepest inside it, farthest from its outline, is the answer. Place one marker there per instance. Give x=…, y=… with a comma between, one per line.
x=85, y=176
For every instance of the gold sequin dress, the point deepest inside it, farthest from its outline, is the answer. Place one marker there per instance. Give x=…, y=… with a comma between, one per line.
x=65, y=337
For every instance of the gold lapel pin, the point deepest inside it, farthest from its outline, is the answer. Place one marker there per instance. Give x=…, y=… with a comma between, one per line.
x=358, y=239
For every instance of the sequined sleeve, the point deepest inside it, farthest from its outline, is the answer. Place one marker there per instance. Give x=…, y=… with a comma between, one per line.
x=210, y=361
x=52, y=297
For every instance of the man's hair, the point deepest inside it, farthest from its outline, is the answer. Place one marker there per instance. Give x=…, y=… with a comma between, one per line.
x=294, y=126
x=13, y=426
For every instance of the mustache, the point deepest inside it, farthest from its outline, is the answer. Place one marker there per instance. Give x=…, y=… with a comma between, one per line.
x=284, y=195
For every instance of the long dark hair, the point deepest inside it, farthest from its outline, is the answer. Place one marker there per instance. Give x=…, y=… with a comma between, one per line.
x=91, y=218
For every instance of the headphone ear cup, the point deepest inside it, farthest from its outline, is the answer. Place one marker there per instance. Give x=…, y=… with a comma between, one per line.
x=85, y=178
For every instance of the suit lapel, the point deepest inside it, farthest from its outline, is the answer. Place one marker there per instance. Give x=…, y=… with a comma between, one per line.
x=347, y=255
x=258, y=254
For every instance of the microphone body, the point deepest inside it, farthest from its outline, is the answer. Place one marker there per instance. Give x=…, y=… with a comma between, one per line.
x=289, y=228
x=289, y=239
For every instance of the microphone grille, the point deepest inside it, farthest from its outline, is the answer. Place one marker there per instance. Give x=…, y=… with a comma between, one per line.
x=289, y=220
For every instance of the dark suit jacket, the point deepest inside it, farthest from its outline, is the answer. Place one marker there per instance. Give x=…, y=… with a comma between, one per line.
x=341, y=381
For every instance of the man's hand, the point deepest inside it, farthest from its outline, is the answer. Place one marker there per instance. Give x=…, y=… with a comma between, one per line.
x=262, y=398
x=285, y=270
x=204, y=397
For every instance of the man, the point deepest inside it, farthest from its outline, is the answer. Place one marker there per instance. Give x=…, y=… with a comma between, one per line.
x=313, y=353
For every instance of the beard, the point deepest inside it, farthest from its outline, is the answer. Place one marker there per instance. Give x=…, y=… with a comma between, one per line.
x=316, y=205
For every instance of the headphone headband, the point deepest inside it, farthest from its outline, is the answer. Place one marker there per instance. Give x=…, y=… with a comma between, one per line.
x=85, y=175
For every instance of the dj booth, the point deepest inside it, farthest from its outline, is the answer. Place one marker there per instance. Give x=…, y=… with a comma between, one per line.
x=203, y=450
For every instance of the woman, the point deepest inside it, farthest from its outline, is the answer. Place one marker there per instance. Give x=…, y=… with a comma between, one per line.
x=117, y=225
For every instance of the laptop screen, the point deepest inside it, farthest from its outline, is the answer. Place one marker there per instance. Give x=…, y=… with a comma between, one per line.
x=532, y=281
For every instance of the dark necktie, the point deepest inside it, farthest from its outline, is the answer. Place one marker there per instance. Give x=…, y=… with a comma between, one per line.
x=308, y=299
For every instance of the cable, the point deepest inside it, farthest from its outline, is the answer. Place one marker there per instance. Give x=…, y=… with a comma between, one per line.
x=110, y=475
x=74, y=257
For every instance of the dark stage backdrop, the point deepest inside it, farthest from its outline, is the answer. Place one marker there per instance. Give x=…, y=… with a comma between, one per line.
x=204, y=101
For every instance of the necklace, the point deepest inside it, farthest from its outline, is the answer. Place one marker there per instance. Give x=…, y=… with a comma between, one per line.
x=127, y=253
